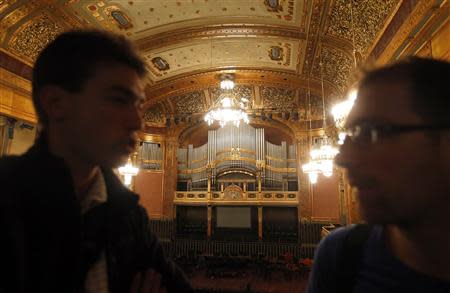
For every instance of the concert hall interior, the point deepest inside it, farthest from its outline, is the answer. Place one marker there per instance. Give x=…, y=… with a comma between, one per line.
x=235, y=206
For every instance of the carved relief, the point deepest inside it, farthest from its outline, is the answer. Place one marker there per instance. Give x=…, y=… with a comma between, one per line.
x=189, y=103
x=278, y=98
x=34, y=36
x=232, y=192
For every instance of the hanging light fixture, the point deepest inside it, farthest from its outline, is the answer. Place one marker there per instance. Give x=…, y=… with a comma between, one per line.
x=321, y=155
x=229, y=108
x=324, y=153
x=312, y=168
x=128, y=171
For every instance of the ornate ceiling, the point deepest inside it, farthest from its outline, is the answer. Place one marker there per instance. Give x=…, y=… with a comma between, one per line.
x=275, y=48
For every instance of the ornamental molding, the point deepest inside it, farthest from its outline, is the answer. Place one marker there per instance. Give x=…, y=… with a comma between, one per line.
x=213, y=31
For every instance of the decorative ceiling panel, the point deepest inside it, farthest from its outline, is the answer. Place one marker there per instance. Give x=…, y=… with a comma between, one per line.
x=192, y=102
x=34, y=35
x=154, y=116
x=241, y=91
x=369, y=17
x=152, y=16
x=280, y=99
x=274, y=53
x=337, y=67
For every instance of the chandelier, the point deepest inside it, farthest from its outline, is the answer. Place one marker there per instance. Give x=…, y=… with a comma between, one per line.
x=322, y=154
x=228, y=108
x=128, y=171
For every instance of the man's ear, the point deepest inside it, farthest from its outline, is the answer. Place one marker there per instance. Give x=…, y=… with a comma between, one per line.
x=55, y=102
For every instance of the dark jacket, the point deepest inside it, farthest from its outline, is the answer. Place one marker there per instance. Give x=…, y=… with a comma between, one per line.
x=48, y=246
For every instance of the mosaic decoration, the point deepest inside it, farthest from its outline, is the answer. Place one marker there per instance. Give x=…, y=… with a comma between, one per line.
x=369, y=17
x=189, y=103
x=155, y=115
x=35, y=36
x=278, y=98
x=242, y=91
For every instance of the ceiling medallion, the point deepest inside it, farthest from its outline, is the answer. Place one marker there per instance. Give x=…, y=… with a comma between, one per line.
x=229, y=107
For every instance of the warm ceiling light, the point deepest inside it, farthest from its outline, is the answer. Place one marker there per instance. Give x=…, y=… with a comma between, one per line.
x=128, y=171
x=227, y=84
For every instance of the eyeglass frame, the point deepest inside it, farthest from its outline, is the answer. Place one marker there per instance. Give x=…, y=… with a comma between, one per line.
x=385, y=130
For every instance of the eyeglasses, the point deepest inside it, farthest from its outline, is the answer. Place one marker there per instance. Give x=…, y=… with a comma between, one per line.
x=372, y=133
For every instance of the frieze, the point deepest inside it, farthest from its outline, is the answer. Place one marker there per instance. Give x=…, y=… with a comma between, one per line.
x=34, y=36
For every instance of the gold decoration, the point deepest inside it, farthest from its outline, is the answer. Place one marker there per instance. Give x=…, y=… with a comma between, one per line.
x=192, y=102
x=369, y=18
x=278, y=98
x=34, y=36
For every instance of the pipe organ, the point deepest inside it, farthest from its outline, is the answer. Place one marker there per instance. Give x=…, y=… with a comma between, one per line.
x=150, y=156
x=237, y=156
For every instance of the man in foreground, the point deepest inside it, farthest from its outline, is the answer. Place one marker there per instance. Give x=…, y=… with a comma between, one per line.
x=67, y=222
x=397, y=158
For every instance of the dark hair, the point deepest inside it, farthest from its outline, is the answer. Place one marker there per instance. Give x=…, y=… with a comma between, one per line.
x=69, y=61
x=429, y=81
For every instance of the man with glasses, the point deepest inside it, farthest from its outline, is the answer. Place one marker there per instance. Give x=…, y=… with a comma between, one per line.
x=397, y=159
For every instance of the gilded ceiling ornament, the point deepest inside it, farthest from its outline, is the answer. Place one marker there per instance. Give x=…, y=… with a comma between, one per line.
x=120, y=18
x=369, y=18
x=337, y=67
x=241, y=91
x=34, y=36
x=154, y=115
x=14, y=17
x=280, y=99
x=189, y=103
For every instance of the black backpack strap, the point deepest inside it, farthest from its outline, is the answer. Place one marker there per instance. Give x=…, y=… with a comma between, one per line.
x=350, y=260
